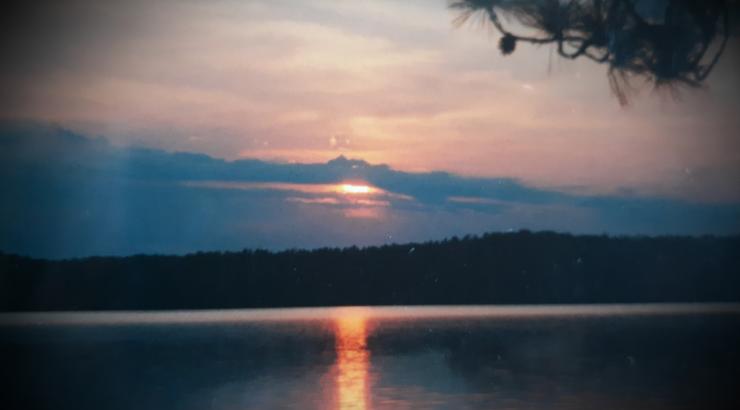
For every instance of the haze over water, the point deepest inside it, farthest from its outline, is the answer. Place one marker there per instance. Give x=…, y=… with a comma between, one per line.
x=479, y=357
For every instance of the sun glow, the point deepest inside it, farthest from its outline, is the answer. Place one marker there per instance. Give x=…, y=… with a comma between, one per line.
x=355, y=189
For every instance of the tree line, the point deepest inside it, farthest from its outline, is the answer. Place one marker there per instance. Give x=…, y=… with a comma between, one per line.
x=496, y=268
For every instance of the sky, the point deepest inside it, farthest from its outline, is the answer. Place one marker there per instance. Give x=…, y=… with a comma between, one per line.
x=176, y=126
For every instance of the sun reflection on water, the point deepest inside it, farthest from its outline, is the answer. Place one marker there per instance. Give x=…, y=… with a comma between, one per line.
x=352, y=361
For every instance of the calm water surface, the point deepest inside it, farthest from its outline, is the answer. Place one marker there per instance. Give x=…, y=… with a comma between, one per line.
x=551, y=357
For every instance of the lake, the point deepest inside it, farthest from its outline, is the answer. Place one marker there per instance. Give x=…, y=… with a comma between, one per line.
x=479, y=357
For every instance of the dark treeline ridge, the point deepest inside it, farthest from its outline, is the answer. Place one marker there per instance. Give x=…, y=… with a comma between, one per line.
x=497, y=268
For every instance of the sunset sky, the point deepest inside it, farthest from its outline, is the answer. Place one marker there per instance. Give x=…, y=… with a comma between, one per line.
x=303, y=82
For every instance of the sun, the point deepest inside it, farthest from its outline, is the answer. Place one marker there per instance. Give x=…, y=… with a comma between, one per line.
x=355, y=189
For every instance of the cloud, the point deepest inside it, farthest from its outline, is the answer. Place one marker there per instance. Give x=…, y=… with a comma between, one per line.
x=68, y=195
x=391, y=82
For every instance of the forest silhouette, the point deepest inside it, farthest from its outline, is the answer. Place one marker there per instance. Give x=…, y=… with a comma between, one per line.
x=496, y=268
